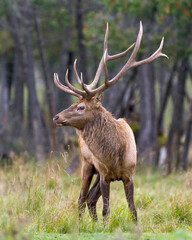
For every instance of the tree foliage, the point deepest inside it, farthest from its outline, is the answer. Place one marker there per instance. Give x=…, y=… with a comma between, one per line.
x=64, y=39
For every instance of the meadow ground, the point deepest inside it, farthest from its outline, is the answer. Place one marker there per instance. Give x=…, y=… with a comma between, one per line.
x=40, y=202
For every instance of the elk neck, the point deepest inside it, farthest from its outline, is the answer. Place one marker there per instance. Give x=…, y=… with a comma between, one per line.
x=101, y=134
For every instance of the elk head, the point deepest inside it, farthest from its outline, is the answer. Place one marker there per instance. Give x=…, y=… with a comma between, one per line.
x=79, y=113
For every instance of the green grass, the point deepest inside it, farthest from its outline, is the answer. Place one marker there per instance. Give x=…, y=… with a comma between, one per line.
x=41, y=203
x=178, y=235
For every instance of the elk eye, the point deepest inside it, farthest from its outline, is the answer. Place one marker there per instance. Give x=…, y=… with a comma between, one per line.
x=81, y=107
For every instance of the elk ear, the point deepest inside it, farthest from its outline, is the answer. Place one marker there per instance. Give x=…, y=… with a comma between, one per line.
x=98, y=99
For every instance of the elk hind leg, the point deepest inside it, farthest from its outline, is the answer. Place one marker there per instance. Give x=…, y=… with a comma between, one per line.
x=93, y=196
x=129, y=192
x=86, y=178
x=105, y=191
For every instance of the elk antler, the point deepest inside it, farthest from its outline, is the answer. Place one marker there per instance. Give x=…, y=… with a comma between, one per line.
x=63, y=87
x=88, y=92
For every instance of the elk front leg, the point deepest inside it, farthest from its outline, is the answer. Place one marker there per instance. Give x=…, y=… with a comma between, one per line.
x=93, y=196
x=129, y=192
x=87, y=173
x=105, y=191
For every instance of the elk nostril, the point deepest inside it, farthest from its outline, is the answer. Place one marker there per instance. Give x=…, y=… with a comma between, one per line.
x=55, y=118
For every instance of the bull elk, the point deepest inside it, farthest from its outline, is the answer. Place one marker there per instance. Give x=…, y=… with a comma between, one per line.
x=107, y=145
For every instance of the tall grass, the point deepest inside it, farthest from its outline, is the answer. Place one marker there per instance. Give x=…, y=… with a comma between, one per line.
x=44, y=199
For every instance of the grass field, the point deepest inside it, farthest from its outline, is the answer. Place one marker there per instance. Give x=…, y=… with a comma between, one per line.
x=41, y=203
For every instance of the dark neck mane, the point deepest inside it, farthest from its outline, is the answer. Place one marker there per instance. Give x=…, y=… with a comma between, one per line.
x=101, y=134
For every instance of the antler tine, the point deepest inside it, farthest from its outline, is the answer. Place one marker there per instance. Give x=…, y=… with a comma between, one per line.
x=106, y=38
x=80, y=80
x=137, y=45
x=105, y=68
x=118, y=55
x=155, y=55
x=79, y=92
x=100, y=67
x=75, y=70
x=108, y=58
x=63, y=87
x=84, y=86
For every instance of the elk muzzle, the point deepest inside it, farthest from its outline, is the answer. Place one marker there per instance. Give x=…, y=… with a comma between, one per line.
x=55, y=119
x=58, y=121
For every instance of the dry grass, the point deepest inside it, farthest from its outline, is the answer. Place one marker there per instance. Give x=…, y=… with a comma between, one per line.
x=44, y=199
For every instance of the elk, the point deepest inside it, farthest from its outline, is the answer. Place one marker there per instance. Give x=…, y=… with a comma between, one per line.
x=107, y=145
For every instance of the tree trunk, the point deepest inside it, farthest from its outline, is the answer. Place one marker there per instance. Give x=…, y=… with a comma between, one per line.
x=176, y=127
x=164, y=99
x=80, y=39
x=147, y=140
x=17, y=109
x=39, y=127
x=4, y=107
x=184, y=155
x=46, y=78
x=24, y=44
x=64, y=99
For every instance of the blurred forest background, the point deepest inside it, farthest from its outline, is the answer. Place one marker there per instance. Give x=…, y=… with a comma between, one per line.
x=40, y=37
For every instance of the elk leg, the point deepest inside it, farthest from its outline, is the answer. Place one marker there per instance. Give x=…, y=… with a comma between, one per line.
x=105, y=190
x=129, y=192
x=86, y=177
x=93, y=196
